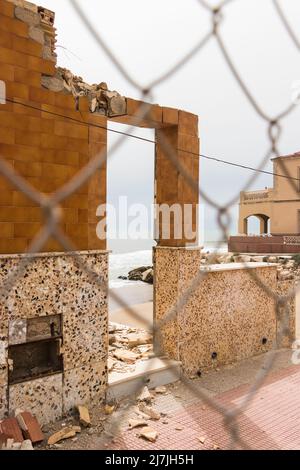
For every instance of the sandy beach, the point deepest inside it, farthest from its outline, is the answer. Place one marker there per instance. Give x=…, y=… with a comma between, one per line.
x=138, y=296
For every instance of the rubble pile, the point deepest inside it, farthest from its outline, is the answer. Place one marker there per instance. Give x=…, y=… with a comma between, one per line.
x=101, y=99
x=288, y=267
x=127, y=346
x=20, y=432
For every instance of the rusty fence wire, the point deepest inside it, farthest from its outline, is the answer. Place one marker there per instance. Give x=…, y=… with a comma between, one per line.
x=52, y=212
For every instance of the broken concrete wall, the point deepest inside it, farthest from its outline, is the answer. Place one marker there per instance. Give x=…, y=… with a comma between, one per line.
x=227, y=318
x=54, y=284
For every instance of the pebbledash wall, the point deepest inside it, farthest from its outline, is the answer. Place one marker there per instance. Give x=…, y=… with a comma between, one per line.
x=53, y=320
x=228, y=316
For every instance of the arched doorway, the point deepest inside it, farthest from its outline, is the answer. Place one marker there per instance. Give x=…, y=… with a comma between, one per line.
x=257, y=224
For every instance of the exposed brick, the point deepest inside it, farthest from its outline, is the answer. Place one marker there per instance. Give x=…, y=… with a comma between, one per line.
x=18, y=214
x=7, y=9
x=77, y=230
x=188, y=143
x=49, y=141
x=17, y=90
x=97, y=135
x=6, y=230
x=6, y=39
x=27, y=138
x=57, y=171
x=5, y=184
x=82, y=216
x=27, y=46
x=63, y=157
x=170, y=116
x=8, y=56
x=97, y=184
x=28, y=108
x=70, y=216
x=154, y=112
x=26, y=230
x=94, y=243
x=76, y=201
x=79, y=145
x=6, y=72
x=20, y=152
x=188, y=123
x=28, y=168
x=11, y=25
x=53, y=245
x=7, y=136
x=28, y=77
x=65, y=101
x=13, y=245
x=69, y=129
x=6, y=199
x=39, y=95
x=40, y=65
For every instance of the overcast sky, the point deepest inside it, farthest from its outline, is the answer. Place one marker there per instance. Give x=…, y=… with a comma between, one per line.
x=148, y=37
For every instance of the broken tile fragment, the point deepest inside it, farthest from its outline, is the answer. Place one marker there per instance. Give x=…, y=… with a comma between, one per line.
x=84, y=415
x=149, y=411
x=126, y=356
x=149, y=434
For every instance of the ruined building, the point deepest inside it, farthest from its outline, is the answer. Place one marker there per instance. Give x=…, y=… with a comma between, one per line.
x=54, y=315
x=277, y=209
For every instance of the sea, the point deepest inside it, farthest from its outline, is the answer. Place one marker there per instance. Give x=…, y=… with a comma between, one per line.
x=121, y=263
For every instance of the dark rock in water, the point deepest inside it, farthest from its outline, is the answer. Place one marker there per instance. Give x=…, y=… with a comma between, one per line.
x=137, y=274
x=147, y=276
x=124, y=278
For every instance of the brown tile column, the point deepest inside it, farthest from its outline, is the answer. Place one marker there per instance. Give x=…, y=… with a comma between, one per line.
x=180, y=131
x=97, y=183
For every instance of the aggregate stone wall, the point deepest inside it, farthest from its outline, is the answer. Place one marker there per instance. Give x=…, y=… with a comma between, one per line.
x=227, y=318
x=54, y=284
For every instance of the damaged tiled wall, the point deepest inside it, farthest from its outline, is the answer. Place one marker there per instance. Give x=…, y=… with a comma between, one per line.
x=54, y=284
x=45, y=148
x=229, y=317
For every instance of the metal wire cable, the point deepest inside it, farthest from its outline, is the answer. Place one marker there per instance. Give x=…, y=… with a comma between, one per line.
x=52, y=213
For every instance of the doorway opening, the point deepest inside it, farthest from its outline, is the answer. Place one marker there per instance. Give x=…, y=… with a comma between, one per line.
x=130, y=238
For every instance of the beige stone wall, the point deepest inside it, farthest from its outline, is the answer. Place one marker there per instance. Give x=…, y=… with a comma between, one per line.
x=228, y=314
x=282, y=205
x=54, y=284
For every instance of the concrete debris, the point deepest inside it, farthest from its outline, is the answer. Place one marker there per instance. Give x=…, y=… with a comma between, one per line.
x=136, y=423
x=127, y=347
x=26, y=445
x=109, y=409
x=126, y=356
x=65, y=433
x=138, y=339
x=84, y=415
x=149, y=411
x=101, y=100
x=145, y=395
x=149, y=434
x=160, y=390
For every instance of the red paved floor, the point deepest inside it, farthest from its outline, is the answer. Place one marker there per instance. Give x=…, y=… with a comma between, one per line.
x=272, y=420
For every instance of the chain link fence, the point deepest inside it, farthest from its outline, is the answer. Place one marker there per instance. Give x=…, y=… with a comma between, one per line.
x=52, y=212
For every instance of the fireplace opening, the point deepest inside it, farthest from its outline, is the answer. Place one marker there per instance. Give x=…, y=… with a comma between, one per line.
x=33, y=360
